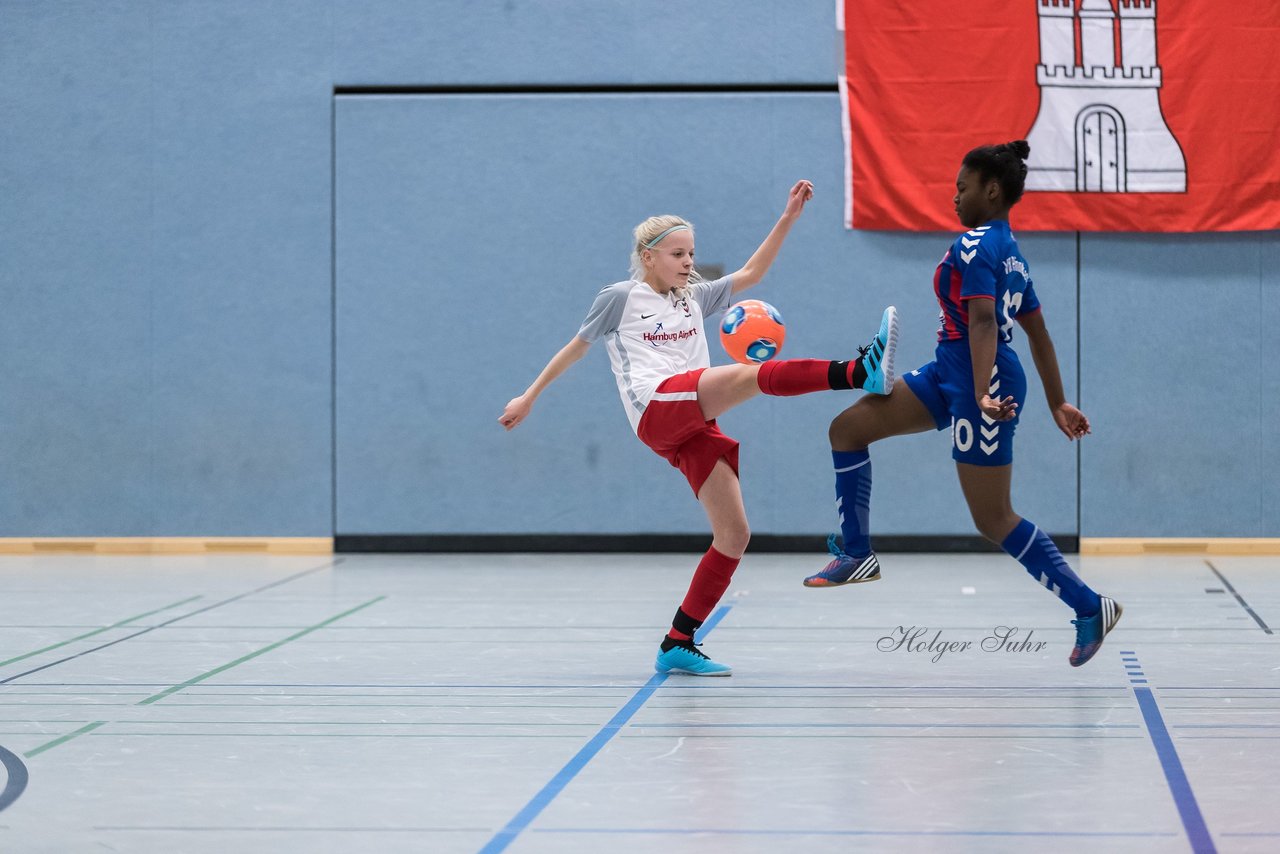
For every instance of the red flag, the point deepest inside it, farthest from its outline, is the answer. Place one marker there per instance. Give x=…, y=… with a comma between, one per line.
x=1143, y=115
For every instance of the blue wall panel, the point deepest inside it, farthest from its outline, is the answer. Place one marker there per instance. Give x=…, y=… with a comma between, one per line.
x=1173, y=366
x=241, y=235
x=1268, y=389
x=75, y=329
x=165, y=201
x=462, y=272
x=166, y=245
x=584, y=41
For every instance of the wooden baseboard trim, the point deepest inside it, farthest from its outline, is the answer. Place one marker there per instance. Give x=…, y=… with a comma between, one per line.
x=649, y=543
x=166, y=545
x=325, y=545
x=1180, y=545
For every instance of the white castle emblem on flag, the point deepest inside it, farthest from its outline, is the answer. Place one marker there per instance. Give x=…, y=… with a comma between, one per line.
x=1100, y=128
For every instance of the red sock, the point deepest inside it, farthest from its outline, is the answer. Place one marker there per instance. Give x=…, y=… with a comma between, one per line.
x=801, y=376
x=710, y=580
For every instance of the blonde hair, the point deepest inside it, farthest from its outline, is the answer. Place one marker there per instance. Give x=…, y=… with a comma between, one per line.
x=648, y=231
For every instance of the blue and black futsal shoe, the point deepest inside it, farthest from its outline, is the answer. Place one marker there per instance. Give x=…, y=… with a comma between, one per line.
x=1091, y=631
x=877, y=357
x=844, y=569
x=677, y=656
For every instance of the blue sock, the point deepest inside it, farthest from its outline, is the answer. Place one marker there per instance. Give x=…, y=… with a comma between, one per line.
x=1032, y=548
x=853, y=500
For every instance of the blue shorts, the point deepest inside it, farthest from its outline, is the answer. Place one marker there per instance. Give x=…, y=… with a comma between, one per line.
x=945, y=387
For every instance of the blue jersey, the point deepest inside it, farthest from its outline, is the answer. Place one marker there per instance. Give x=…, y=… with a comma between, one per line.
x=983, y=264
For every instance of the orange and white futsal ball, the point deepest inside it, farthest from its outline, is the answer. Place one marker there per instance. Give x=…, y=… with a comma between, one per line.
x=752, y=332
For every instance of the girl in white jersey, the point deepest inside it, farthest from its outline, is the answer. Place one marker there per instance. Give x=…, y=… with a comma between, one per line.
x=653, y=328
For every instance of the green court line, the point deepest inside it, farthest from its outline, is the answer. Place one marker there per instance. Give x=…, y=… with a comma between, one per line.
x=64, y=739
x=330, y=706
x=175, y=688
x=99, y=631
x=330, y=735
x=268, y=648
x=441, y=724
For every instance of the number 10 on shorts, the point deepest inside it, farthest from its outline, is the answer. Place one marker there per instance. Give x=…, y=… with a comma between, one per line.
x=961, y=434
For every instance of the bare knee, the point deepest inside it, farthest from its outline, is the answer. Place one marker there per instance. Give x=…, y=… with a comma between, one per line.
x=732, y=540
x=995, y=526
x=845, y=433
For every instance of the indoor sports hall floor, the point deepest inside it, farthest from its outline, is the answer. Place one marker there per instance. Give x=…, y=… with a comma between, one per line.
x=467, y=703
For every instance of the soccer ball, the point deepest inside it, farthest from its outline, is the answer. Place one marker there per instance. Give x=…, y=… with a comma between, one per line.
x=752, y=332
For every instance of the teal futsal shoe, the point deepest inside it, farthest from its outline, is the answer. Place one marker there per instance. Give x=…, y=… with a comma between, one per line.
x=678, y=656
x=1092, y=631
x=844, y=569
x=877, y=357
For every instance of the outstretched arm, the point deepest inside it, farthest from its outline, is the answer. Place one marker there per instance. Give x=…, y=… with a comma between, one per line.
x=1071, y=421
x=518, y=409
x=755, y=268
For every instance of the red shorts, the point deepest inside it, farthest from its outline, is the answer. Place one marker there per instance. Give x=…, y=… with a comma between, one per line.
x=673, y=426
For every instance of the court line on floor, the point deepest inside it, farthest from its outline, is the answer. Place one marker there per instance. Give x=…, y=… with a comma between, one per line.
x=785, y=725
x=721, y=831
x=175, y=688
x=15, y=780
x=264, y=587
x=1174, y=774
x=98, y=631
x=543, y=798
x=451, y=686
x=1239, y=598
x=283, y=829
x=268, y=648
x=116, y=732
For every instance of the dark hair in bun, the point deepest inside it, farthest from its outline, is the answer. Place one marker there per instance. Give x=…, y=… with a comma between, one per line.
x=1004, y=163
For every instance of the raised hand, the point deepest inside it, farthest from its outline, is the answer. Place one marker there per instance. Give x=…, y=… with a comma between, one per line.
x=800, y=193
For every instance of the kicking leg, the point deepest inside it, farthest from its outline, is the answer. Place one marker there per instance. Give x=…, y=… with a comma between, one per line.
x=725, y=386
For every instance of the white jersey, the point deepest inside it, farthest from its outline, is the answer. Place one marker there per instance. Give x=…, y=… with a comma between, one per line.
x=650, y=336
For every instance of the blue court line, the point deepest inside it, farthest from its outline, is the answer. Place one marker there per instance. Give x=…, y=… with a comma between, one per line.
x=543, y=799
x=721, y=831
x=525, y=686
x=1179, y=786
x=885, y=726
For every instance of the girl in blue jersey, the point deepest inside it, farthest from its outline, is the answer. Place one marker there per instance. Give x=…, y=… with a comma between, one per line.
x=975, y=387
